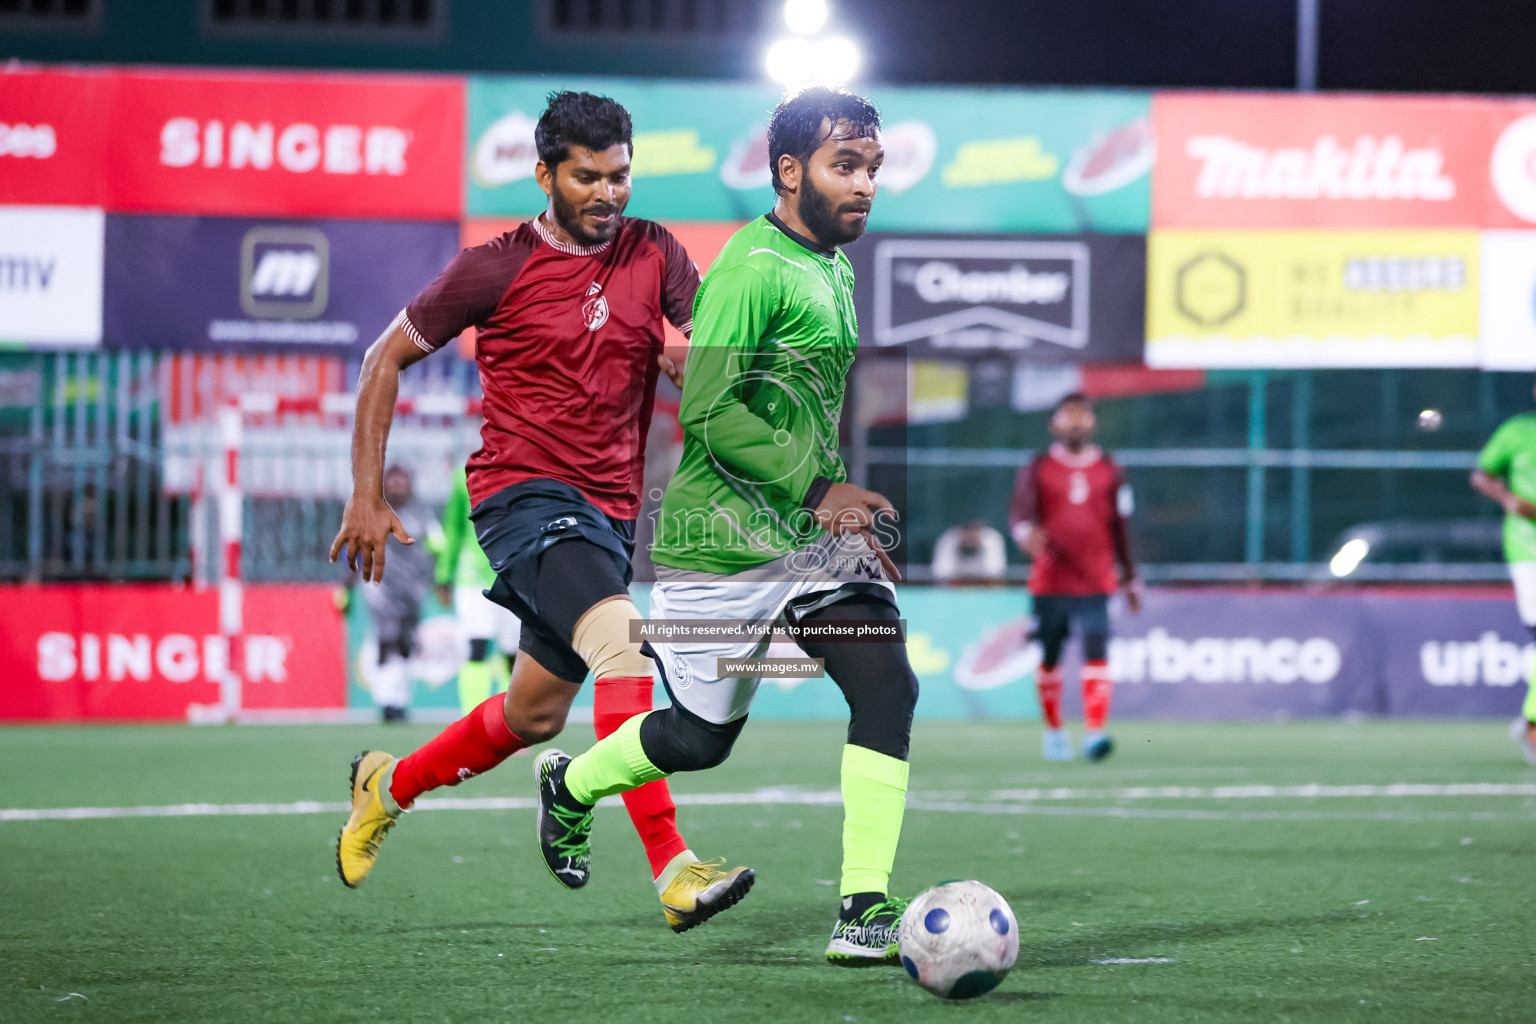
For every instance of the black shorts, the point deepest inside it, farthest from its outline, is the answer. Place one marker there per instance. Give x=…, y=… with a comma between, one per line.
x=1055, y=614
x=516, y=527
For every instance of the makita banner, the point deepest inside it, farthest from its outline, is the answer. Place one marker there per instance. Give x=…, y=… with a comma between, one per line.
x=149, y=651
x=1289, y=161
x=214, y=283
x=1062, y=298
x=287, y=145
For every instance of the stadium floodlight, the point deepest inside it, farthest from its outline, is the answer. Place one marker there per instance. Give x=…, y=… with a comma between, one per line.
x=1348, y=558
x=805, y=16
x=796, y=61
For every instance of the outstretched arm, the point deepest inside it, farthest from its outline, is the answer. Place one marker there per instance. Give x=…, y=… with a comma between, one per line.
x=367, y=521
x=1494, y=487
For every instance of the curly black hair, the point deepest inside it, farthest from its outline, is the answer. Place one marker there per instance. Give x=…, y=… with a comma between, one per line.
x=580, y=119
x=796, y=125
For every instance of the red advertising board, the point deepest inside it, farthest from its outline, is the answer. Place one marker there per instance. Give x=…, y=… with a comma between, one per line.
x=299, y=145
x=1282, y=161
x=1512, y=165
x=148, y=651
x=53, y=136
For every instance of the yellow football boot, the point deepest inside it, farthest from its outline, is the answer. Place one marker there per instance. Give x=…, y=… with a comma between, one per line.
x=374, y=813
x=701, y=890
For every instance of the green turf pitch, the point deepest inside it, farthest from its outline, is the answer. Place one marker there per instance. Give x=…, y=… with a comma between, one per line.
x=1280, y=906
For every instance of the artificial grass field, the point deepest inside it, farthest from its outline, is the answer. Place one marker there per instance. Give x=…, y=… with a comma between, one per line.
x=1266, y=908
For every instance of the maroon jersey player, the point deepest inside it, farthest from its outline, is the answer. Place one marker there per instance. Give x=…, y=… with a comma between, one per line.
x=1069, y=515
x=568, y=311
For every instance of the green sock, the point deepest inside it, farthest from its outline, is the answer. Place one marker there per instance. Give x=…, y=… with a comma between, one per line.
x=615, y=764
x=1529, y=710
x=874, y=800
x=474, y=685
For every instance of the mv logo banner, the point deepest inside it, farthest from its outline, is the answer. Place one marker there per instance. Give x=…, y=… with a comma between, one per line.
x=1047, y=298
x=239, y=285
x=284, y=273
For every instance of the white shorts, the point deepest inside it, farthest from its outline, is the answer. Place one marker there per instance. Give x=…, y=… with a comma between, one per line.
x=832, y=566
x=1524, y=575
x=480, y=618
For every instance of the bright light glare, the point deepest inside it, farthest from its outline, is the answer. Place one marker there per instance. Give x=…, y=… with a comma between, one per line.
x=805, y=16
x=1349, y=557
x=797, y=61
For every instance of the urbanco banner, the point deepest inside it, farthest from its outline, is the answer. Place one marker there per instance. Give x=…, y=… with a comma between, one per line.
x=955, y=159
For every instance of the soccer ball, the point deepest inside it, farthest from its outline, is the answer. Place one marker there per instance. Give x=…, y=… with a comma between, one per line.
x=958, y=940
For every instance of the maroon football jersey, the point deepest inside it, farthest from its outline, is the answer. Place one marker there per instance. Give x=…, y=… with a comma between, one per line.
x=1076, y=500
x=566, y=337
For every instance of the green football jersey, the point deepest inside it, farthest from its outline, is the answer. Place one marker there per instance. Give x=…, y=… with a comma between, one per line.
x=1511, y=455
x=460, y=562
x=774, y=334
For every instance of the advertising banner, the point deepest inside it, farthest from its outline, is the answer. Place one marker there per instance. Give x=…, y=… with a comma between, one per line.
x=1074, y=298
x=1511, y=171
x=50, y=275
x=1291, y=161
x=956, y=160
x=286, y=145
x=149, y=651
x=227, y=284
x=1508, y=300
x=1312, y=299
x=53, y=136
x=1459, y=657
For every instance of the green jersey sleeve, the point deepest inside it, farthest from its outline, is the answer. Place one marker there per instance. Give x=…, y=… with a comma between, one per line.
x=455, y=529
x=1498, y=454
x=732, y=320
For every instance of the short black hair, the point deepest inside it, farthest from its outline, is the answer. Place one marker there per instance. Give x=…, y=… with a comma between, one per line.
x=796, y=125
x=1075, y=398
x=580, y=119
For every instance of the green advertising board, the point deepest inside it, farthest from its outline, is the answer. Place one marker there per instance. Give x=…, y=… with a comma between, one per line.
x=992, y=160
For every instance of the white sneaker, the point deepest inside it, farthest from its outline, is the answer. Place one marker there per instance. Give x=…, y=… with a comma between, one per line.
x=1056, y=745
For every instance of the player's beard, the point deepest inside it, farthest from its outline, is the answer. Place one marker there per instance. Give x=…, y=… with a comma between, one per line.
x=569, y=218
x=824, y=222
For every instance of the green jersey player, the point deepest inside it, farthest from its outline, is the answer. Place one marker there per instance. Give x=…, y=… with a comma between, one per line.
x=760, y=526
x=1506, y=472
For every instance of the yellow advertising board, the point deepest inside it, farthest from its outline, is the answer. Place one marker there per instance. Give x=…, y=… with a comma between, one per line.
x=1312, y=298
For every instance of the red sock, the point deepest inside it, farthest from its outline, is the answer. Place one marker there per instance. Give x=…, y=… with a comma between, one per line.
x=1048, y=685
x=1097, y=690
x=471, y=746
x=615, y=701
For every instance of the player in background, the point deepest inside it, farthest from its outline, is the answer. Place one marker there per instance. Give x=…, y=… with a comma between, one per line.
x=394, y=608
x=464, y=575
x=1506, y=472
x=759, y=525
x=1068, y=514
x=568, y=314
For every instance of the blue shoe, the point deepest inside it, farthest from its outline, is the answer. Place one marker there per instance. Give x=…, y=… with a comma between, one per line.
x=1056, y=745
x=1097, y=746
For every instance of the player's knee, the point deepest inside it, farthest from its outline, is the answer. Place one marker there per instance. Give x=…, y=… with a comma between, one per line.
x=479, y=649
x=602, y=640
x=678, y=742
x=1095, y=646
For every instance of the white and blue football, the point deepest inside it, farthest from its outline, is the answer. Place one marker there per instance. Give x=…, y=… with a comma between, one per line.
x=959, y=940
